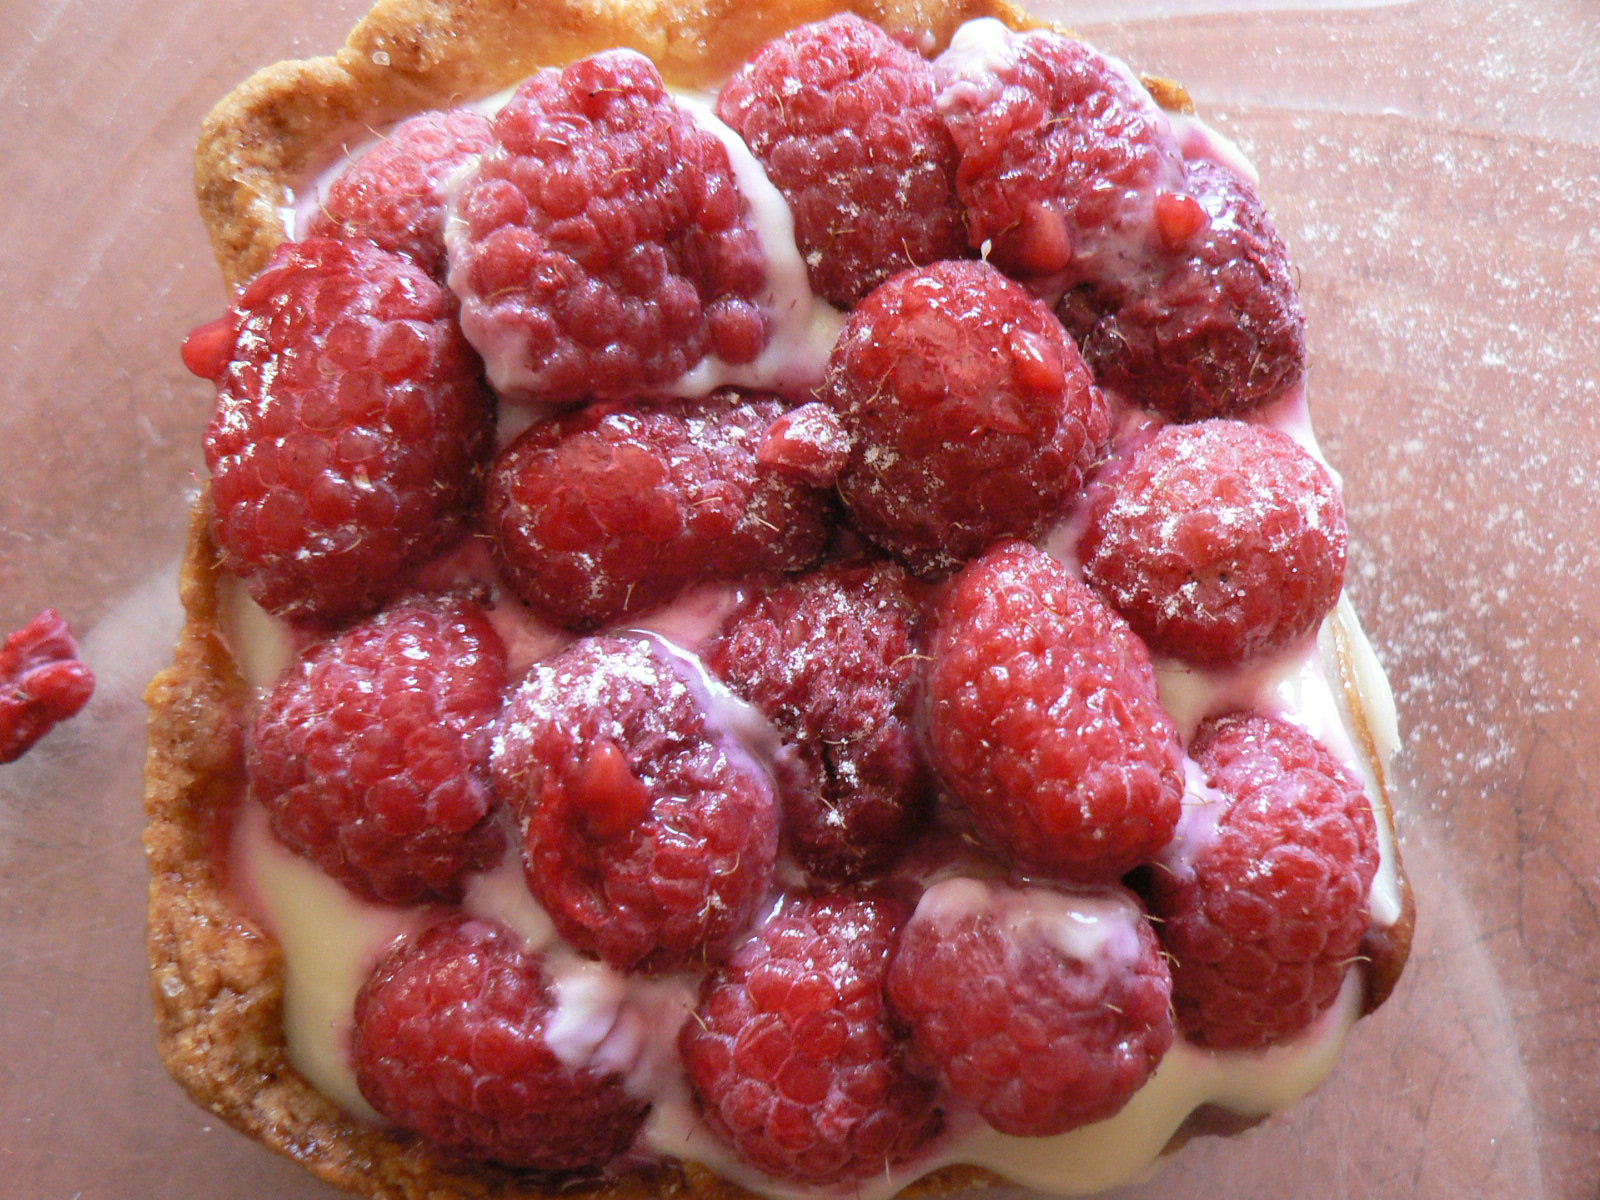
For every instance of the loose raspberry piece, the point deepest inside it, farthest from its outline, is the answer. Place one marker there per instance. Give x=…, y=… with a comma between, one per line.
x=1264, y=903
x=791, y=1051
x=1046, y=1010
x=451, y=1043
x=1062, y=153
x=972, y=413
x=1212, y=326
x=614, y=509
x=833, y=660
x=1044, y=720
x=350, y=429
x=42, y=683
x=809, y=443
x=649, y=835
x=393, y=195
x=842, y=117
x=603, y=246
x=1219, y=542
x=371, y=752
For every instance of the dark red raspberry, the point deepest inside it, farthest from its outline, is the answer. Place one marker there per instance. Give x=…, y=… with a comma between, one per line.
x=1045, y=1010
x=1263, y=899
x=371, y=752
x=833, y=660
x=972, y=414
x=842, y=117
x=1220, y=542
x=604, y=247
x=1062, y=153
x=393, y=195
x=452, y=1043
x=791, y=1050
x=1210, y=327
x=350, y=429
x=1044, y=720
x=809, y=443
x=42, y=683
x=649, y=834
x=614, y=509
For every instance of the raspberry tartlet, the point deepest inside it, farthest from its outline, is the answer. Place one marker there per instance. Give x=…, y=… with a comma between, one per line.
x=766, y=621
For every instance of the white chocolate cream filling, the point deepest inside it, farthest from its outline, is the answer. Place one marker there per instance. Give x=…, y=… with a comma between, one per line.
x=1332, y=686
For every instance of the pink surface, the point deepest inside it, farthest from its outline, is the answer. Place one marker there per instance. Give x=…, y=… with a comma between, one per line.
x=1433, y=167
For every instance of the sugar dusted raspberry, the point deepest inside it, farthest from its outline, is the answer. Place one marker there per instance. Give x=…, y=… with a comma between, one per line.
x=1045, y=1010
x=807, y=442
x=791, y=1051
x=350, y=429
x=972, y=414
x=602, y=248
x=1263, y=902
x=1062, y=152
x=833, y=660
x=1220, y=542
x=42, y=683
x=648, y=835
x=1210, y=327
x=842, y=117
x=614, y=509
x=393, y=195
x=1044, y=720
x=452, y=1043
x=371, y=752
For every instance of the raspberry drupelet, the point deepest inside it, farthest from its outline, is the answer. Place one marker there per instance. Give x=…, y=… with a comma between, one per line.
x=1263, y=902
x=452, y=1042
x=371, y=752
x=350, y=429
x=791, y=1050
x=42, y=683
x=649, y=836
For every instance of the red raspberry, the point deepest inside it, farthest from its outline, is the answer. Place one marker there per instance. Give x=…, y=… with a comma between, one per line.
x=842, y=117
x=393, y=195
x=1219, y=542
x=649, y=834
x=972, y=413
x=832, y=660
x=350, y=429
x=791, y=1050
x=1210, y=328
x=371, y=752
x=1263, y=899
x=809, y=443
x=451, y=1043
x=42, y=683
x=1046, y=1010
x=614, y=509
x=1044, y=720
x=604, y=247
x=1062, y=153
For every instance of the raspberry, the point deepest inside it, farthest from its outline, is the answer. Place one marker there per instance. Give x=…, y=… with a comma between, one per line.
x=972, y=413
x=371, y=752
x=451, y=1042
x=1212, y=327
x=614, y=509
x=791, y=1051
x=1044, y=720
x=1045, y=1010
x=809, y=443
x=350, y=429
x=1062, y=153
x=603, y=248
x=649, y=836
x=832, y=660
x=42, y=683
x=1219, y=543
x=1263, y=900
x=394, y=195
x=842, y=117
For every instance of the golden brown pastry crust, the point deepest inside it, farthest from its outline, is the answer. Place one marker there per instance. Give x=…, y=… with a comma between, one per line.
x=217, y=976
